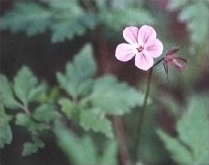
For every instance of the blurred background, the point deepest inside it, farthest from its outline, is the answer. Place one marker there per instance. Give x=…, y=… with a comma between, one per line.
x=46, y=34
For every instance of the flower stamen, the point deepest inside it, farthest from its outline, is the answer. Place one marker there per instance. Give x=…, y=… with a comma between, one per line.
x=140, y=49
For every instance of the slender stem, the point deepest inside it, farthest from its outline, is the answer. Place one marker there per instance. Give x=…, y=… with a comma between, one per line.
x=120, y=134
x=141, y=117
x=160, y=60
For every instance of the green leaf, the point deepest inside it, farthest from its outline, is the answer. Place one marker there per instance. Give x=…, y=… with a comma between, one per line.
x=31, y=125
x=70, y=20
x=82, y=150
x=196, y=17
x=78, y=150
x=46, y=113
x=67, y=107
x=23, y=119
x=6, y=132
x=114, y=97
x=77, y=80
x=193, y=129
x=29, y=17
x=7, y=96
x=192, y=145
x=64, y=18
x=32, y=147
x=110, y=154
x=90, y=119
x=178, y=151
x=26, y=86
x=36, y=92
x=117, y=19
x=29, y=148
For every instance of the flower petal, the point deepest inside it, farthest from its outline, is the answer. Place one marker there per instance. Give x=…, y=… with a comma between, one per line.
x=124, y=52
x=154, y=48
x=146, y=33
x=130, y=34
x=143, y=62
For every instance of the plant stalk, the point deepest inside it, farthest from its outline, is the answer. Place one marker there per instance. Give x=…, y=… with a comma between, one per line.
x=140, y=121
x=120, y=134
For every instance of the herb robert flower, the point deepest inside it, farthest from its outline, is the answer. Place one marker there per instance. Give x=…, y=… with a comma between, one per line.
x=142, y=43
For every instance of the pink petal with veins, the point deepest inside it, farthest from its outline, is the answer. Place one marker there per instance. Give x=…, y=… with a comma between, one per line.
x=146, y=33
x=142, y=43
x=124, y=52
x=130, y=34
x=154, y=48
x=143, y=62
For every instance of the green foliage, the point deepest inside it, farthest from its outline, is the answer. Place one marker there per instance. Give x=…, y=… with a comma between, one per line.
x=67, y=107
x=78, y=77
x=94, y=99
x=91, y=119
x=22, y=94
x=25, y=89
x=66, y=19
x=114, y=97
x=30, y=148
x=196, y=16
x=69, y=20
x=6, y=132
x=192, y=145
x=7, y=97
x=37, y=122
x=196, y=120
x=26, y=86
x=45, y=113
x=119, y=18
x=29, y=17
x=179, y=152
x=82, y=150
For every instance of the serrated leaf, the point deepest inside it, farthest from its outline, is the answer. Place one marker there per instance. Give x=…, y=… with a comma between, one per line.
x=69, y=20
x=179, y=152
x=26, y=86
x=82, y=150
x=64, y=18
x=196, y=17
x=192, y=145
x=110, y=154
x=32, y=147
x=67, y=107
x=46, y=113
x=29, y=148
x=27, y=122
x=114, y=97
x=6, y=93
x=23, y=119
x=6, y=132
x=77, y=80
x=193, y=129
x=36, y=92
x=116, y=19
x=90, y=120
x=78, y=150
x=29, y=17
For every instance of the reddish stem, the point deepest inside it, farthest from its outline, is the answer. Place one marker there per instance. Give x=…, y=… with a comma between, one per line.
x=120, y=135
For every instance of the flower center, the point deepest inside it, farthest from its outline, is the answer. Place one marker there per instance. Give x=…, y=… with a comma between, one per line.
x=140, y=48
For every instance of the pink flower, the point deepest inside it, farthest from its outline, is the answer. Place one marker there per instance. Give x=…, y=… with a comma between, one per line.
x=142, y=43
x=171, y=59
